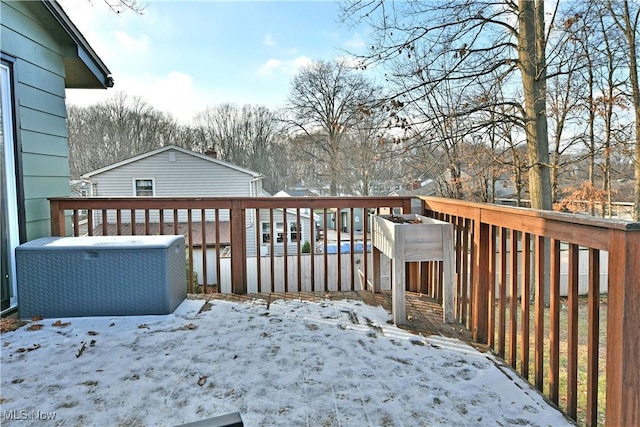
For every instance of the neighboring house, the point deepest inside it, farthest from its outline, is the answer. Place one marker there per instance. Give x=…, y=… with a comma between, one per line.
x=291, y=230
x=296, y=192
x=330, y=219
x=300, y=191
x=43, y=53
x=504, y=187
x=360, y=215
x=80, y=188
x=173, y=171
x=424, y=188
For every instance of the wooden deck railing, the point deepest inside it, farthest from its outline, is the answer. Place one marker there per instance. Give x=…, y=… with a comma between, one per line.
x=500, y=252
x=248, y=227
x=503, y=252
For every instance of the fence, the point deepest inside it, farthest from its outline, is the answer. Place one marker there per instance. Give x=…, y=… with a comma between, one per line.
x=240, y=229
x=499, y=251
x=491, y=241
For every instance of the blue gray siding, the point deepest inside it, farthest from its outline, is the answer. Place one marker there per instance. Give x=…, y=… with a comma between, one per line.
x=40, y=91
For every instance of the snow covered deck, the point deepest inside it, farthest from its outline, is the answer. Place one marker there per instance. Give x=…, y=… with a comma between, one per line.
x=314, y=360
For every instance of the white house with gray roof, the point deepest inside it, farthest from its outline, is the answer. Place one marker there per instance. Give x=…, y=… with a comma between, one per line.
x=173, y=171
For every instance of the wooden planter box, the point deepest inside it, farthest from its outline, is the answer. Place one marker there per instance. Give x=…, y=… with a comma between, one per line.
x=426, y=239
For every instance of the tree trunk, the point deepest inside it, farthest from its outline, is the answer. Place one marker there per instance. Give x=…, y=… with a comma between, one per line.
x=532, y=65
x=635, y=88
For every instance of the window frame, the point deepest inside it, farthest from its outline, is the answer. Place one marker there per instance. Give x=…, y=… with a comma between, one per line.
x=13, y=192
x=135, y=187
x=292, y=230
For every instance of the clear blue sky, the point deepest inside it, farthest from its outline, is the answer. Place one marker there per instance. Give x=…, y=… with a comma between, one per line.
x=182, y=56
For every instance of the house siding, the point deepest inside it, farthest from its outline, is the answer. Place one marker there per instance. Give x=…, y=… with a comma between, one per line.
x=40, y=91
x=278, y=248
x=187, y=176
x=175, y=179
x=359, y=217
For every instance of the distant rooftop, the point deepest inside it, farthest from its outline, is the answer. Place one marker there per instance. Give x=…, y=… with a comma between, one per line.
x=297, y=192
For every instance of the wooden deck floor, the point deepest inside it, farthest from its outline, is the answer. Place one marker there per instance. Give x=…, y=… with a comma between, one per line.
x=423, y=313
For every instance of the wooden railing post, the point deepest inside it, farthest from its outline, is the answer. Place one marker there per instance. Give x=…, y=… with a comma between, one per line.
x=58, y=225
x=623, y=330
x=238, y=248
x=480, y=281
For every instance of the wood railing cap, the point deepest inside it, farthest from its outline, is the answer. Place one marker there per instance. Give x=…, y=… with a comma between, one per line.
x=609, y=223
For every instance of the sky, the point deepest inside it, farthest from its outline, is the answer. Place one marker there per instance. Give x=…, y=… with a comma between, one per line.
x=278, y=363
x=182, y=56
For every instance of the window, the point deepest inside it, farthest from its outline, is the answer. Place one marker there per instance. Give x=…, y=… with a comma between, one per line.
x=292, y=234
x=279, y=232
x=266, y=232
x=144, y=187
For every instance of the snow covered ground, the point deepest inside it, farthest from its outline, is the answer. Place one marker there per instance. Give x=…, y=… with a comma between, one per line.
x=289, y=363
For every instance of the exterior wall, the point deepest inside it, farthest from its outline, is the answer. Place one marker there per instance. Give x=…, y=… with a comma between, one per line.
x=40, y=92
x=187, y=176
x=359, y=218
x=292, y=247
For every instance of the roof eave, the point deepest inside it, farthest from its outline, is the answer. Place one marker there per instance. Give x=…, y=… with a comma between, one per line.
x=84, y=68
x=253, y=174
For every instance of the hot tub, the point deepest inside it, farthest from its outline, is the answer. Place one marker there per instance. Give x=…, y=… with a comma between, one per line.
x=100, y=276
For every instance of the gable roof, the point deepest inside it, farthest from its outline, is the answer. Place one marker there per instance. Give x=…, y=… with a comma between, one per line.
x=297, y=192
x=83, y=67
x=425, y=190
x=176, y=148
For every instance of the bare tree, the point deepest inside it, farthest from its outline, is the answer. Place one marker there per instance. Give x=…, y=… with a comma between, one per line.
x=326, y=101
x=587, y=100
x=369, y=150
x=466, y=43
x=626, y=15
x=446, y=129
x=564, y=96
x=119, y=6
x=501, y=126
x=496, y=132
x=248, y=136
x=583, y=28
x=220, y=126
x=115, y=129
x=483, y=169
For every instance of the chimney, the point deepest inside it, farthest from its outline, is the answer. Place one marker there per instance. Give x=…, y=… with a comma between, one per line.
x=211, y=153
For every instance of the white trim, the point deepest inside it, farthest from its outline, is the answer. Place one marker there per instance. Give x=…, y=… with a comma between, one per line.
x=277, y=221
x=13, y=238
